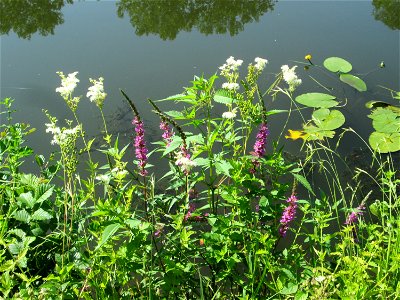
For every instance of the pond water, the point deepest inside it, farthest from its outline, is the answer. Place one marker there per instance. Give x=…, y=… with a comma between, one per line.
x=151, y=49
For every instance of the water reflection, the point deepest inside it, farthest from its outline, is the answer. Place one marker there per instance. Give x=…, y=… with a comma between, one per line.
x=167, y=18
x=26, y=17
x=387, y=11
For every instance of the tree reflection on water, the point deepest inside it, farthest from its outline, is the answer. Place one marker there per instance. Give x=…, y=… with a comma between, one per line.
x=168, y=18
x=387, y=11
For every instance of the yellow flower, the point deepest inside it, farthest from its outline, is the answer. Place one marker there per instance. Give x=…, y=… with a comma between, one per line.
x=308, y=57
x=296, y=134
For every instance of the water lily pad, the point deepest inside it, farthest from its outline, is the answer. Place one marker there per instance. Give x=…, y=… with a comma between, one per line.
x=317, y=100
x=385, y=142
x=327, y=119
x=376, y=104
x=354, y=82
x=316, y=133
x=385, y=120
x=337, y=64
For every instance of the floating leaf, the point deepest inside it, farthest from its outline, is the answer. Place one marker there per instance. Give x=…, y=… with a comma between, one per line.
x=376, y=104
x=354, y=82
x=316, y=133
x=328, y=119
x=385, y=120
x=317, y=100
x=337, y=64
x=385, y=142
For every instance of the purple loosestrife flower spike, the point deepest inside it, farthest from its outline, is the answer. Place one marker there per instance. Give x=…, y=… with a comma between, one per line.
x=353, y=217
x=259, y=145
x=288, y=215
x=168, y=132
x=140, y=145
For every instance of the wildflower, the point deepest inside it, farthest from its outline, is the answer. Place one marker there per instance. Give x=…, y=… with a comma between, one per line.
x=259, y=146
x=61, y=136
x=191, y=209
x=140, y=146
x=260, y=63
x=232, y=86
x=296, y=134
x=201, y=242
x=96, y=92
x=229, y=114
x=68, y=84
x=290, y=77
x=231, y=64
x=183, y=160
x=168, y=132
x=308, y=57
x=288, y=214
x=353, y=217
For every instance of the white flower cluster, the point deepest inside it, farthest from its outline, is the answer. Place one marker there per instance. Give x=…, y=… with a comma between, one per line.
x=96, y=92
x=231, y=64
x=229, y=114
x=68, y=84
x=232, y=86
x=184, y=162
x=260, y=63
x=61, y=136
x=290, y=77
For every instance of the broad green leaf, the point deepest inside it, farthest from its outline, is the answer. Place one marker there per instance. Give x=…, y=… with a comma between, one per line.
x=337, y=64
x=275, y=111
x=354, y=82
x=27, y=199
x=45, y=195
x=40, y=215
x=304, y=182
x=196, y=139
x=385, y=142
x=385, y=120
x=291, y=288
x=174, y=114
x=316, y=133
x=22, y=216
x=175, y=143
x=377, y=104
x=109, y=231
x=133, y=223
x=222, y=96
x=223, y=167
x=328, y=119
x=317, y=100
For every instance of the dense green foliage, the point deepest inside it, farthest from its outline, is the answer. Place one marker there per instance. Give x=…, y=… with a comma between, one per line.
x=230, y=219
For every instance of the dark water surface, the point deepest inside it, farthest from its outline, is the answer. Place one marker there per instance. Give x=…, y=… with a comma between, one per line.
x=151, y=49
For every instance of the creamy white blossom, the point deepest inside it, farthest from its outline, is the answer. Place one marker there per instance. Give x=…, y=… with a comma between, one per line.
x=231, y=64
x=96, y=92
x=103, y=178
x=229, y=114
x=233, y=86
x=68, y=84
x=60, y=136
x=289, y=75
x=184, y=162
x=260, y=63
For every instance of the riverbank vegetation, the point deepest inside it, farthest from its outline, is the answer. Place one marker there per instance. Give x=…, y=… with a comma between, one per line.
x=231, y=218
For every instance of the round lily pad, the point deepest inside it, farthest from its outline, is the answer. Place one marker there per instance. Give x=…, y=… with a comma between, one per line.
x=354, y=82
x=337, y=64
x=327, y=119
x=385, y=142
x=317, y=100
x=385, y=120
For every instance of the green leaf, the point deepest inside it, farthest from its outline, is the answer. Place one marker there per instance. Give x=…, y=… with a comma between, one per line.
x=316, y=133
x=223, y=167
x=196, y=139
x=108, y=232
x=45, y=195
x=291, y=288
x=275, y=111
x=174, y=114
x=376, y=104
x=317, y=100
x=383, y=142
x=41, y=215
x=22, y=216
x=385, y=120
x=354, y=82
x=27, y=199
x=222, y=96
x=328, y=119
x=304, y=182
x=337, y=64
x=175, y=143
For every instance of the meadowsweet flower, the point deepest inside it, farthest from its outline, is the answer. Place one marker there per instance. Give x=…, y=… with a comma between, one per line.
x=183, y=160
x=260, y=63
x=168, y=132
x=231, y=65
x=288, y=215
x=68, y=84
x=353, y=217
x=61, y=135
x=290, y=77
x=140, y=146
x=96, y=92
x=232, y=86
x=229, y=114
